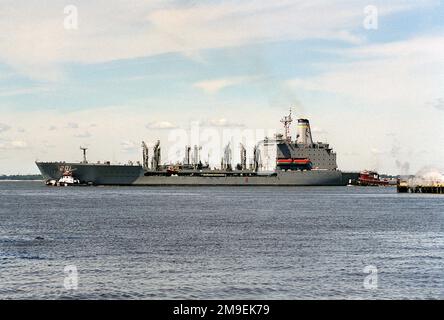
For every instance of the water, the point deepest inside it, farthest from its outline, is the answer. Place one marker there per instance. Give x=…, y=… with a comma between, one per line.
x=219, y=242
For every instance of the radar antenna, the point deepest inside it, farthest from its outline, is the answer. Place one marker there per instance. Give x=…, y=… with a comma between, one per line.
x=286, y=121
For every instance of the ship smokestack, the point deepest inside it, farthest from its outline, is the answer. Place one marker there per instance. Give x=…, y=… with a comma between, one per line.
x=304, y=132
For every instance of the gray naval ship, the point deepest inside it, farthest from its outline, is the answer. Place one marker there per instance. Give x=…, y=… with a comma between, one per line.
x=293, y=163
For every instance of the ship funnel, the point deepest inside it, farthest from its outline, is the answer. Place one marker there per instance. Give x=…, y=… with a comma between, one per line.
x=304, y=132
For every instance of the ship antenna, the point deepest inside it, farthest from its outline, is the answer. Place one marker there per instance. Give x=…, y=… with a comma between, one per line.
x=286, y=121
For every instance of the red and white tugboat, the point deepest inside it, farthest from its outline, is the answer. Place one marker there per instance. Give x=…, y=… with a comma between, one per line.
x=66, y=180
x=371, y=178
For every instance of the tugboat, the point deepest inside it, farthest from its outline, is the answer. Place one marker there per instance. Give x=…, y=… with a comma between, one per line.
x=66, y=180
x=371, y=178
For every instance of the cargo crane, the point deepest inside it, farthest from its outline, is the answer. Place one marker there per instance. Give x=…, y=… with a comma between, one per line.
x=186, y=161
x=226, y=160
x=155, y=161
x=145, y=153
x=243, y=157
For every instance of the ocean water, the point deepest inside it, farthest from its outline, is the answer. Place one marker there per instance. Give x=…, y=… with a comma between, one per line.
x=219, y=243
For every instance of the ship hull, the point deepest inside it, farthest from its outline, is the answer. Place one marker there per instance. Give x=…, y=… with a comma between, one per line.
x=102, y=174
x=97, y=174
x=288, y=178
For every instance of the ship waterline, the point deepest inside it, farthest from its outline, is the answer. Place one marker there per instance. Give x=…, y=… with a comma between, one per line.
x=97, y=174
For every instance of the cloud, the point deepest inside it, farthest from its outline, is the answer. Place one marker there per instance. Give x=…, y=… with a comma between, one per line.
x=4, y=127
x=215, y=85
x=72, y=125
x=160, y=125
x=438, y=104
x=129, y=146
x=18, y=144
x=384, y=74
x=221, y=122
x=376, y=151
x=35, y=43
x=84, y=134
x=13, y=144
x=317, y=130
x=47, y=144
x=23, y=91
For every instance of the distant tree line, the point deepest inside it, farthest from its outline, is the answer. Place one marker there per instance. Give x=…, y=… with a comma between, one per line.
x=21, y=177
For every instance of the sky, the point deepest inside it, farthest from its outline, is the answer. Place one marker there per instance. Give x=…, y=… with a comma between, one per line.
x=109, y=74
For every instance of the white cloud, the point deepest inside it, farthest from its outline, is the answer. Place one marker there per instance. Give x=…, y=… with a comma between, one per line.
x=438, y=104
x=160, y=125
x=317, y=130
x=72, y=125
x=84, y=134
x=23, y=91
x=376, y=151
x=396, y=74
x=215, y=85
x=13, y=144
x=47, y=144
x=129, y=146
x=18, y=144
x=35, y=43
x=221, y=122
x=4, y=127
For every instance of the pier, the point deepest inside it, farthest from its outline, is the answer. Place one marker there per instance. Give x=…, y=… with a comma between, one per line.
x=404, y=187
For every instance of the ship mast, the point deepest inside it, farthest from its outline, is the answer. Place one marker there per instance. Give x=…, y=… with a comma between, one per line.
x=286, y=121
